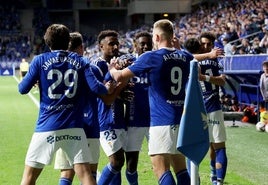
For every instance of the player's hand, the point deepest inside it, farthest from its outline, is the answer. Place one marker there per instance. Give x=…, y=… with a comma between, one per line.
x=216, y=52
x=110, y=86
x=114, y=64
x=124, y=61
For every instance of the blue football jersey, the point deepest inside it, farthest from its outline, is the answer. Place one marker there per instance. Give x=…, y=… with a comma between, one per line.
x=62, y=77
x=110, y=116
x=139, y=110
x=102, y=64
x=210, y=91
x=168, y=71
x=90, y=114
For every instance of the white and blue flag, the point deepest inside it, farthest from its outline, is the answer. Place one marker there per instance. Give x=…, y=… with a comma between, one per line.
x=193, y=138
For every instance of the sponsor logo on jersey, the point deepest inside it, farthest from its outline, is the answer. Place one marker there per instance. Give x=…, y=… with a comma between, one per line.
x=52, y=139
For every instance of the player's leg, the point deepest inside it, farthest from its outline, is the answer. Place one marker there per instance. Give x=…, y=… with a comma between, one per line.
x=84, y=174
x=213, y=174
x=162, y=144
x=112, y=142
x=111, y=171
x=94, y=147
x=178, y=164
x=135, y=137
x=66, y=176
x=117, y=161
x=62, y=163
x=220, y=161
x=217, y=136
x=161, y=169
x=78, y=154
x=117, y=179
x=39, y=150
x=30, y=175
x=131, y=169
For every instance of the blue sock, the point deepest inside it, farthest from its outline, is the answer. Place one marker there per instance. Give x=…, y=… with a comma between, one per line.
x=222, y=159
x=116, y=179
x=65, y=181
x=213, y=175
x=167, y=179
x=107, y=175
x=132, y=178
x=183, y=178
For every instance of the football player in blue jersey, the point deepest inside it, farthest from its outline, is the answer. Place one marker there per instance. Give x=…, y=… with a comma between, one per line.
x=168, y=71
x=90, y=115
x=62, y=77
x=211, y=79
x=138, y=109
x=111, y=117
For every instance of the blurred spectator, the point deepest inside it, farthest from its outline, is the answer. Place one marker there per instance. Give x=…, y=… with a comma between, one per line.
x=256, y=48
x=24, y=68
x=242, y=51
x=264, y=40
x=234, y=49
x=235, y=105
x=227, y=46
x=246, y=47
x=226, y=103
x=232, y=34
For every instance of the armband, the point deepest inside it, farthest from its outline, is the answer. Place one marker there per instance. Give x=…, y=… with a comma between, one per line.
x=207, y=78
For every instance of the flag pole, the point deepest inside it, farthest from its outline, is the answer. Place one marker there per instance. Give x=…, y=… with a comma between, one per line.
x=194, y=174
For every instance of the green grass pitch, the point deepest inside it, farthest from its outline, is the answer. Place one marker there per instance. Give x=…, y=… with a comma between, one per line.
x=247, y=149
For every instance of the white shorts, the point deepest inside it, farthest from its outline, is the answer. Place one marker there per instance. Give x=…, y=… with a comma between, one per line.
x=163, y=139
x=112, y=140
x=216, y=128
x=94, y=147
x=135, y=136
x=62, y=162
x=44, y=145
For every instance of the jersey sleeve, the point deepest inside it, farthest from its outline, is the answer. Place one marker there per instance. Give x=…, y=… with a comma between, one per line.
x=95, y=85
x=142, y=64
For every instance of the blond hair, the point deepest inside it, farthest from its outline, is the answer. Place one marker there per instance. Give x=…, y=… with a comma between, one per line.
x=165, y=28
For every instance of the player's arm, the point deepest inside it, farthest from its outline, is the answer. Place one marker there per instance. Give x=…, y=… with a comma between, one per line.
x=95, y=85
x=217, y=80
x=214, y=53
x=108, y=99
x=119, y=75
x=122, y=77
x=30, y=79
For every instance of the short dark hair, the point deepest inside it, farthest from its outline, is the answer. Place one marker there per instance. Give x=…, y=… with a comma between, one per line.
x=192, y=45
x=76, y=40
x=106, y=33
x=210, y=36
x=57, y=37
x=143, y=34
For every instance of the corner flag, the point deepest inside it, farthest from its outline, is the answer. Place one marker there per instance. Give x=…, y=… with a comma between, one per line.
x=193, y=139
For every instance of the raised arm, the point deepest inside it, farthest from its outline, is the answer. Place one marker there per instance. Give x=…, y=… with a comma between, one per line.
x=214, y=53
